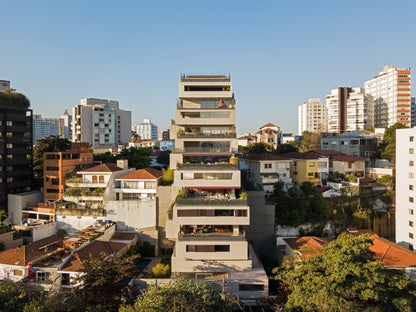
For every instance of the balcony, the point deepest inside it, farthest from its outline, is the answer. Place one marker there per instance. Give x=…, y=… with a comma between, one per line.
x=203, y=150
x=210, y=202
x=202, y=166
x=200, y=135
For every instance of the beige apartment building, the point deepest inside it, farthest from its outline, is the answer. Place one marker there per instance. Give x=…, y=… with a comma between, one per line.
x=312, y=116
x=208, y=216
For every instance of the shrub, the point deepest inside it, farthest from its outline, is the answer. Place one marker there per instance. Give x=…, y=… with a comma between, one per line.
x=161, y=270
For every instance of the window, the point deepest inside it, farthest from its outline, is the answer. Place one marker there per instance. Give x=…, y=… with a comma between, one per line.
x=411, y=150
x=10, y=123
x=411, y=223
x=411, y=211
x=101, y=179
x=311, y=164
x=9, y=145
x=94, y=179
x=52, y=168
x=267, y=166
x=411, y=175
x=18, y=272
x=411, y=235
x=310, y=174
x=411, y=163
x=410, y=187
x=411, y=199
x=9, y=179
x=411, y=139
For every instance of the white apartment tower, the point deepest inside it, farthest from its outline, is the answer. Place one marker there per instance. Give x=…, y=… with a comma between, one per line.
x=312, y=116
x=349, y=109
x=101, y=123
x=146, y=130
x=406, y=187
x=208, y=216
x=65, y=130
x=391, y=92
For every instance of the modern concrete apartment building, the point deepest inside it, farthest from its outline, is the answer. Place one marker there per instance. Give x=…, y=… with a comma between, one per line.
x=100, y=123
x=391, y=93
x=405, y=187
x=44, y=127
x=65, y=130
x=16, y=153
x=312, y=116
x=208, y=219
x=349, y=109
x=146, y=130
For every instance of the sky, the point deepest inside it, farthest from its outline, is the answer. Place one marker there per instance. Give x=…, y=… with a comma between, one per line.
x=279, y=53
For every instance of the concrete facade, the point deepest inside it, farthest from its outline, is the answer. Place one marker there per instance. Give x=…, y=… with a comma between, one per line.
x=312, y=116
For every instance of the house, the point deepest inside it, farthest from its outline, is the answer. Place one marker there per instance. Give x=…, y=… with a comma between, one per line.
x=301, y=248
x=270, y=134
x=304, y=168
x=263, y=171
x=142, y=143
x=16, y=263
x=247, y=139
x=349, y=165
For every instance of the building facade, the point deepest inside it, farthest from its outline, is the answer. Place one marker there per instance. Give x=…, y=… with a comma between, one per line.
x=405, y=187
x=391, y=93
x=349, y=109
x=312, y=116
x=270, y=134
x=4, y=85
x=207, y=218
x=16, y=154
x=65, y=130
x=100, y=123
x=146, y=130
x=44, y=127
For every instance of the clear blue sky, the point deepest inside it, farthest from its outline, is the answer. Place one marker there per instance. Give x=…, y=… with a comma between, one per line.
x=279, y=53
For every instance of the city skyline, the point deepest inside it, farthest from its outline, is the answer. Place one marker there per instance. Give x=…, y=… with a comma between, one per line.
x=278, y=54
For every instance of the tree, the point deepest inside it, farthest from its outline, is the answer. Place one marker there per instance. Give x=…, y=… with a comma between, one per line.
x=163, y=158
x=345, y=278
x=138, y=157
x=168, y=175
x=102, y=281
x=106, y=157
x=285, y=148
x=52, y=143
x=12, y=297
x=309, y=141
x=11, y=99
x=389, y=139
x=182, y=295
x=259, y=148
x=161, y=270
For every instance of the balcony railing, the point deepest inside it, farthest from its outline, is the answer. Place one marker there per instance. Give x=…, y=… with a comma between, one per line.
x=211, y=202
x=225, y=166
x=203, y=150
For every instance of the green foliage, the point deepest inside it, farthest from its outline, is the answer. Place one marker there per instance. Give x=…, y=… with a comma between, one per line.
x=161, y=270
x=106, y=157
x=259, y=148
x=181, y=295
x=243, y=195
x=102, y=282
x=285, y=148
x=11, y=99
x=297, y=207
x=336, y=177
x=351, y=178
x=144, y=249
x=3, y=215
x=12, y=297
x=137, y=157
x=343, y=278
x=309, y=141
x=370, y=129
x=386, y=180
x=167, y=178
x=389, y=139
x=62, y=232
x=52, y=143
x=163, y=158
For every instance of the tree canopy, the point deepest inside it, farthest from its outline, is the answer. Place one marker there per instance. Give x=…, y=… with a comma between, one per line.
x=52, y=143
x=285, y=148
x=182, y=295
x=345, y=278
x=258, y=148
x=309, y=141
x=138, y=157
x=389, y=139
x=11, y=99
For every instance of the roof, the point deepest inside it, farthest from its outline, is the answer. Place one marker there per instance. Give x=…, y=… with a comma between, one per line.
x=248, y=137
x=297, y=155
x=325, y=152
x=307, y=246
x=94, y=250
x=348, y=158
x=124, y=236
x=109, y=167
x=392, y=254
x=31, y=252
x=268, y=125
x=143, y=174
x=141, y=140
x=260, y=157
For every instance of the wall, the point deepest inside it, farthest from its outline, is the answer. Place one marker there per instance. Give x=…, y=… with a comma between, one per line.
x=18, y=202
x=7, y=272
x=9, y=242
x=132, y=213
x=76, y=223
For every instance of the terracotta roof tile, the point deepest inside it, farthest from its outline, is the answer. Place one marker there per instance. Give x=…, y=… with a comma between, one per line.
x=94, y=250
x=143, y=174
x=392, y=254
x=268, y=125
x=108, y=167
x=308, y=246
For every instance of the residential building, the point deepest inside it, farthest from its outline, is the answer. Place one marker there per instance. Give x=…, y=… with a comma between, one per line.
x=57, y=165
x=412, y=112
x=65, y=130
x=138, y=185
x=301, y=248
x=165, y=144
x=44, y=127
x=405, y=187
x=142, y=143
x=246, y=139
x=391, y=92
x=166, y=135
x=358, y=143
x=289, y=137
x=304, y=168
x=349, y=165
x=270, y=134
x=207, y=223
x=101, y=123
x=263, y=171
x=349, y=109
x=4, y=85
x=146, y=130
x=16, y=155
x=312, y=116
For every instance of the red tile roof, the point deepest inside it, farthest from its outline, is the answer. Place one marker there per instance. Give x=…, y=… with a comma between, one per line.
x=263, y=157
x=124, y=236
x=109, y=167
x=268, y=125
x=140, y=141
x=297, y=155
x=348, y=158
x=307, y=246
x=94, y=250
x=143, y=174
x=392, y=254
x=31, y=252
x=248, y=137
